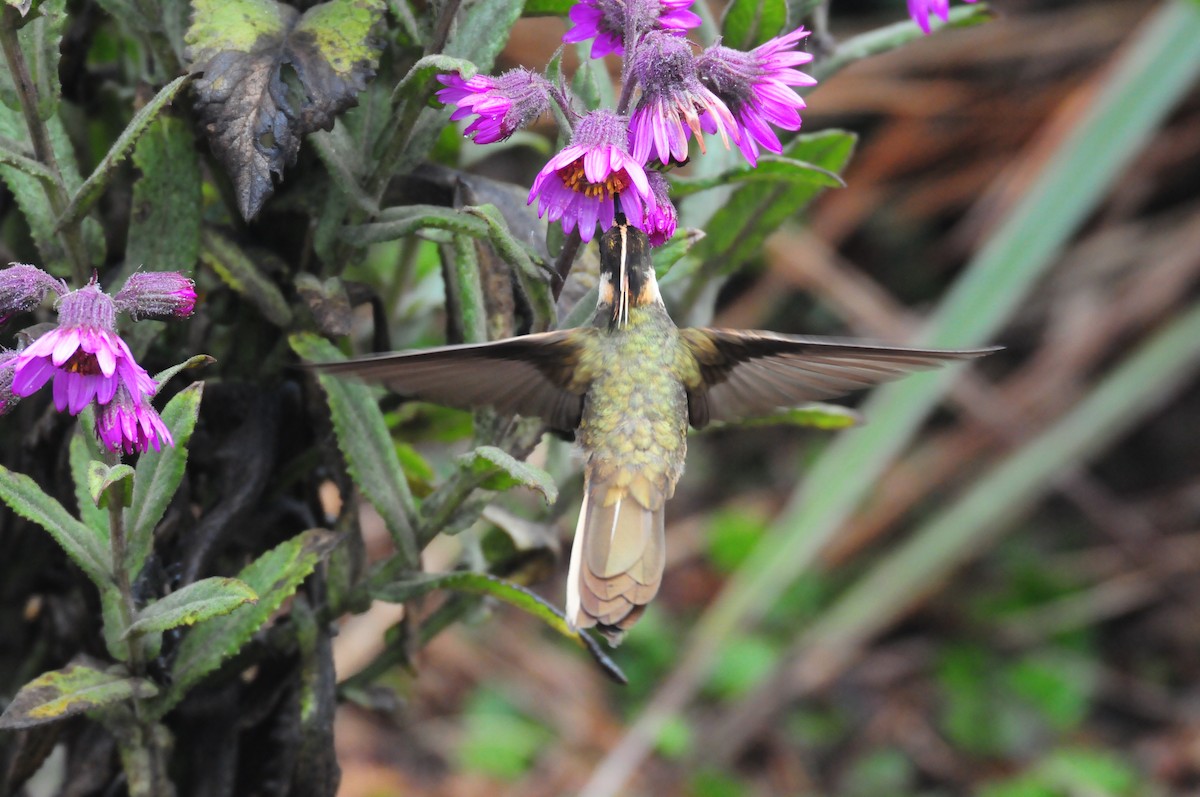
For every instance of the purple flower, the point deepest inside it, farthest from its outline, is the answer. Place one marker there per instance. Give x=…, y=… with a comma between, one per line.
x=755, y=86
x=129, y=424
x=7, y=364
x=604, y=21
x=660, y=220
x=157, y=294
x=580, y=184
x=504, y=104
x=920, y=10
x=22, y=287
x=672, y=101
x=83, y=355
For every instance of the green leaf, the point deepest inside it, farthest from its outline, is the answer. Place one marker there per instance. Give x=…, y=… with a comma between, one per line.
x=547, y=8
x=164, y=222
x=422, y=73
x=513, y=594
x=533, y=280
x=158, y=476
x=756, y=209
x=203, y=600
x=748, y=23
x=40, y=40
x=239, y=272
x=97, y=181
x=254, y=120
x=503, y=472
x=101, y=476
x=77, y=688
x=274, y=577
x=82, y=455
x=770, y=169
x=195, y=361
x=86, y=547
x=364, y=441
x=815, y=415
x=404, y=221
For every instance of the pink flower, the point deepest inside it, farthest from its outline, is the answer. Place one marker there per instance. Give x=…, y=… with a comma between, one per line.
x=755, y=86
x=672, y=100
x=660, y=219
x=128, y=423
x=83, y=355
x=920, y=10
x=503, y=104
x=582, y=184
x=605, y=21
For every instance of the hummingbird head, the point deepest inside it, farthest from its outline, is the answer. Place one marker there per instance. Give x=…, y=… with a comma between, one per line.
x=626, y=272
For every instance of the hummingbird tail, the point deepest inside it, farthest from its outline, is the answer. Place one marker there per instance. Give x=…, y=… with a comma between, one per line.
x=618, y=556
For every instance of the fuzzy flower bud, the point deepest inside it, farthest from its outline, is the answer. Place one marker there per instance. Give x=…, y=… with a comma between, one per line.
x=504, y=104
x=157, y=294
x=7, y=366
x=660, y=219
x=23, y=286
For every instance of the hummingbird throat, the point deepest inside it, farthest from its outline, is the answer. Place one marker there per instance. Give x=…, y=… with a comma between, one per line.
x=626, y=272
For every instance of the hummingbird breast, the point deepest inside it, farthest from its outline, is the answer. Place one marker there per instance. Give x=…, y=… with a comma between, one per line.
x=634, y=424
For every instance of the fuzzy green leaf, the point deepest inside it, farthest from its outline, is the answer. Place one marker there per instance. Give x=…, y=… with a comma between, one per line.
x=815, y=415
x=547, y=8
x=254, y=120
x=158, y=476
x=40, y=40
x=513, y=594
x=81, y=457
x=748, y=23
x=366, y=444
x=239, y=272
x=203, y=600
x=503, y=472
x=97, y=181
x=195, y=361
x=164, y=223
x=84, y=545
x=770, y=169
x=101, y=476
x=274, y=577
x=77, y=688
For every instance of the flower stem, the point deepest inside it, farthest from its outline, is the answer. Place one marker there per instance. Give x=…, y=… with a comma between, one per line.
x=39, y=136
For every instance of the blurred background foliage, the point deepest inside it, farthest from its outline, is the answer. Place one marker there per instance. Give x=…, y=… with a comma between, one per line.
x=990, y=588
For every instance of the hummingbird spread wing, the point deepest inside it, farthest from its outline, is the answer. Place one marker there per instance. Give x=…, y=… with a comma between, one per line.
x=531, y=375
x=749, y=373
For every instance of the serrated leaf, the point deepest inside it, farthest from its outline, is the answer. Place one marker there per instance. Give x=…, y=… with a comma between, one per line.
x=164, y=222
x=77, y=688
x=748, y=23
x=101, y=476
x=771, y=168
x=510, y=593
x=158, y=476
x=254, y=123
x=83, y=544
x=39, y=39
x=203, y=600
x=505, y=471
x=364, y=441
x=92, y=188
x=274, y=577
x=815, y=415
x=239, y=272
x=328, y=303
x=736, y=231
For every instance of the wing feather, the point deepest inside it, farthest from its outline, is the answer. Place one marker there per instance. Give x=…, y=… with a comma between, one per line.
x=749, y=373
x=532, y=375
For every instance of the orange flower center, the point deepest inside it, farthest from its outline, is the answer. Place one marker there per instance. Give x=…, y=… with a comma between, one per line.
x=82, y=363
x=574, y=178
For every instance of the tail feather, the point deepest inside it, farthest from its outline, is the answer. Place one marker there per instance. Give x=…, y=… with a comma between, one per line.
x=617, y=559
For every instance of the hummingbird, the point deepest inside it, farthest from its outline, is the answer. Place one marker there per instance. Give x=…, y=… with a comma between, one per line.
x=628, y=386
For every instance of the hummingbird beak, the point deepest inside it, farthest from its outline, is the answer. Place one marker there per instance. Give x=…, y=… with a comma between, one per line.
x=621, y=300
